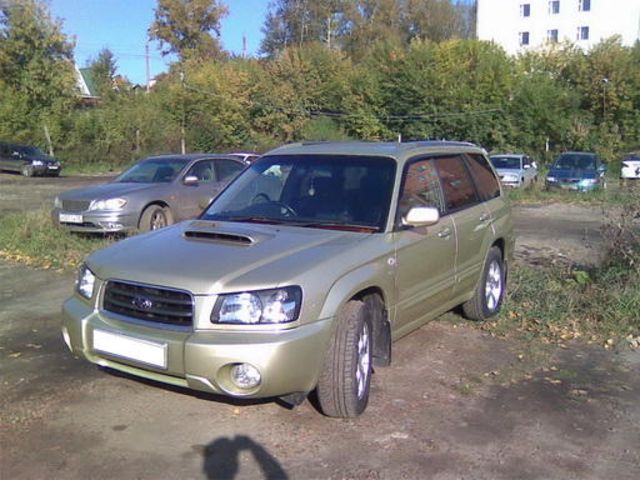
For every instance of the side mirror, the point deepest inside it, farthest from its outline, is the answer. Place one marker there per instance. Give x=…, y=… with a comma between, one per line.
x=190, y=180
x=421, y=217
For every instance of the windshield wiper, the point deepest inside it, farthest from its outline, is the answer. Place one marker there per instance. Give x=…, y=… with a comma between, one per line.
x=342, y=226
x=252, y=219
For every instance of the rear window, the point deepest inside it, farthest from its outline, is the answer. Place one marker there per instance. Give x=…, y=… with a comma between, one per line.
x=457, y=186
x=488, y=186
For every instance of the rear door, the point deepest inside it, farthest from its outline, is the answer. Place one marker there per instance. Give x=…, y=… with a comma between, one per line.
x=471, y=219
x=425, y=257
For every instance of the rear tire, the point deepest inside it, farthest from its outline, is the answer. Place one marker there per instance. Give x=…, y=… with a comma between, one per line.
x=489, y=294
x=154, y=217
x=345, y=380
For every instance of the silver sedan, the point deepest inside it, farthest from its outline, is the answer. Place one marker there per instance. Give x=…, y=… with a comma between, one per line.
x=515, y=169
x=152, y=194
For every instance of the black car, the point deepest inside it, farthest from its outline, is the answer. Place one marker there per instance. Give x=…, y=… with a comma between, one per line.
x=27, y=160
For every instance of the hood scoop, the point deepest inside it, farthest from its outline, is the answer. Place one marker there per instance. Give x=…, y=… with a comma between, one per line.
x=222, y=237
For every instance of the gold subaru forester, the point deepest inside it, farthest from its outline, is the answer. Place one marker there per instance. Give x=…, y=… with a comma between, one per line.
x=301, y=273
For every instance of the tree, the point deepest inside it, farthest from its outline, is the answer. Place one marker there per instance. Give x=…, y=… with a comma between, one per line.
x=103, y=69
x=189, y=28
x=36, y=68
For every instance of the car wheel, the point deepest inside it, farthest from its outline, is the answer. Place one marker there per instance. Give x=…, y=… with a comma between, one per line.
x=27, y=171
x=487, y=299
x=343, y=388
x=154, y=217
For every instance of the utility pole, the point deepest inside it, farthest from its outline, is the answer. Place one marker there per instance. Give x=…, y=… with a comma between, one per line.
x=146, y=60
x=183, y=143
x=244, y=45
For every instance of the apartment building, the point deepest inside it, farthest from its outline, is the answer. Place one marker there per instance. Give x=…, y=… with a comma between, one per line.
x=519, y=25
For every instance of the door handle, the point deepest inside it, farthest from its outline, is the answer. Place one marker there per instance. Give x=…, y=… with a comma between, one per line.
x=444, y=233
x=485, y=217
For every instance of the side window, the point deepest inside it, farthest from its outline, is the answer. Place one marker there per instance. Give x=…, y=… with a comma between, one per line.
x=420, y=188
x=203, y=170
x=486, y=181
x=457, y=185
x=227, y=169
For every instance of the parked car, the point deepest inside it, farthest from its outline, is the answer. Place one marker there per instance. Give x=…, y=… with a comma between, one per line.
x=246, y=157
x=581, y=171
x=152, y=194
x=515, y=169
x=630, y=168
x=301, y=273
x=27, y=160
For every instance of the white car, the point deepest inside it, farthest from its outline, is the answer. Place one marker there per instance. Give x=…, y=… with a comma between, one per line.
x=630, y=168
x=515, y=169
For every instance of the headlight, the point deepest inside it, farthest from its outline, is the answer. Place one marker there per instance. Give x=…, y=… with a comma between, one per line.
x=57, y=203
x=85, y=283
x=551, y=179
x=588, y=181
x=37, y=163
x=280, y=305
x=109, y=204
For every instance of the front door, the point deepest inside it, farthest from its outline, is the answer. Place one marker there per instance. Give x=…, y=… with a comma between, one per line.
x=425, y=256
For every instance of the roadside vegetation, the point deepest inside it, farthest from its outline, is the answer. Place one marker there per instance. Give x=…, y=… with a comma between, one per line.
x=565, y=301
x=411, y=70
x=31, y=238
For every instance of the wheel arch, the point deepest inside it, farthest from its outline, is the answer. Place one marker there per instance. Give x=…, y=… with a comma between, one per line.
x=159, y=203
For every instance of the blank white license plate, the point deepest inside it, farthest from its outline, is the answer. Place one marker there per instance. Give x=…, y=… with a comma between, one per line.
x=52, y=167
x=70, y=218
x=130, y=348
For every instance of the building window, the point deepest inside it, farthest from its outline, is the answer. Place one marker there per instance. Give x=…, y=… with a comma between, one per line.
x=584, y=5
x=524, y=38
x=552, y=36
x=554, y=7
x=525, y=9
x=583, y=33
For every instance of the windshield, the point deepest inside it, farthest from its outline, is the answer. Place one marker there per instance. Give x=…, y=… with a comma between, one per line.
x=576, y=161
x=506, y=162
x=153, y=170
x=29, y=151
x=322, y=191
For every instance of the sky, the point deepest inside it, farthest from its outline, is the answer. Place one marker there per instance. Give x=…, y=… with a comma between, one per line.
x=121, y=26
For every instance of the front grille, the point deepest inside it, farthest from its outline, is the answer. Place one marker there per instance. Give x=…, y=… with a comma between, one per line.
x=150, y=303
x=75, y=205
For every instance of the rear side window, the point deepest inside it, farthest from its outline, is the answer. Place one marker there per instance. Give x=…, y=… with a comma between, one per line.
x=420, y=188
x=488, y=186
x=457, y=185
x=227, y=168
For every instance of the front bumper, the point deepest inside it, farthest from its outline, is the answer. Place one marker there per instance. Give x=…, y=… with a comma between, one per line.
x=571, y=185
x=96, y=221
x=289, y=361
x=46, y=169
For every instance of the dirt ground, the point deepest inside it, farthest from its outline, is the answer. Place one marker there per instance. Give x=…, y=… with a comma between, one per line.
x=456, y=402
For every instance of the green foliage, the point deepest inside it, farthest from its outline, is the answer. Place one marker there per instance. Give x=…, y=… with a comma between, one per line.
x=36, y=86
x=184, y=27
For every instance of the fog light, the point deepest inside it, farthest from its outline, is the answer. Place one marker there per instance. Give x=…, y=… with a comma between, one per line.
x=245, y=375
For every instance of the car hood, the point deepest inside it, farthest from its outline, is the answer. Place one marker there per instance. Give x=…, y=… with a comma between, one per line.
x=566, y=173
x=107, y=190
x=509, y=171
x=207, y=257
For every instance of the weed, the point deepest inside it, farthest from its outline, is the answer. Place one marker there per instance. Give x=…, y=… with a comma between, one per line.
x=32, y=238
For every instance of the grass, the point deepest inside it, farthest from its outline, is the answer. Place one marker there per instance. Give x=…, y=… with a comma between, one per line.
x=91, y=169
x=32, y=238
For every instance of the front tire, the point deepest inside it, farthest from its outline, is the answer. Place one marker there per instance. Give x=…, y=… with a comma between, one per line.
x=345, y=380
x=154, y=217
x=489, y=294
x=27, y=171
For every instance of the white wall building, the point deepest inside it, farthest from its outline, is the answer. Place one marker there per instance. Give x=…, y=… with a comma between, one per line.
x=519, y=25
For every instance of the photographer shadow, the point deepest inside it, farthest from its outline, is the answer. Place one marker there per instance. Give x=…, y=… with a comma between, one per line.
x=221, y=459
